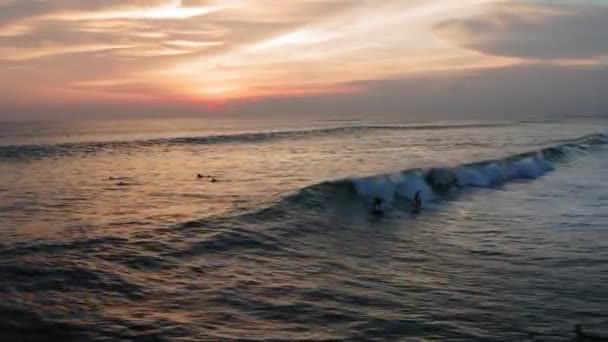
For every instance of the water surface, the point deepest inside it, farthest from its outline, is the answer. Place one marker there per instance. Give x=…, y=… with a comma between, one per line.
x=108, y=234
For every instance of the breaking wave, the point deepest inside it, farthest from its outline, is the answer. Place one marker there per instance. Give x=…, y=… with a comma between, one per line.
x=439, y=182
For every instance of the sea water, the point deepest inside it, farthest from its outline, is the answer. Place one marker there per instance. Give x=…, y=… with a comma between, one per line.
x=107, y=233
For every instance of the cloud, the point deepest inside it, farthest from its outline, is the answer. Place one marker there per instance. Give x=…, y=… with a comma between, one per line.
x=18, y=10
x=533, y=31
x=300, y=56
x=48, y=48
x=33, y=28
x=226, y=44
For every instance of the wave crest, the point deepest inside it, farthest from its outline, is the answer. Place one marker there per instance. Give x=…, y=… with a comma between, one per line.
x=435, y=183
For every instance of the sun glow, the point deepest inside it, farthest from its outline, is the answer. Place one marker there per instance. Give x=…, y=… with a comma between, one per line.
x=218, y=91
x=227, y=50
x=251, y=69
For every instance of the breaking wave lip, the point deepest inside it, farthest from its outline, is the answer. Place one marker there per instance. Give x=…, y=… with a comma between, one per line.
x=11, y=152
x=438, y=183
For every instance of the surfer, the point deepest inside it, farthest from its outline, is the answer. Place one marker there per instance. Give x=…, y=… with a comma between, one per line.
x=417, y=202
x=378, y=210
x=199, y=176
x=213, y=180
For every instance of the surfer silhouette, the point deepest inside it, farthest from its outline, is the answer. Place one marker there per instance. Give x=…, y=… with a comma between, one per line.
x=378, y=210
x=417, y=203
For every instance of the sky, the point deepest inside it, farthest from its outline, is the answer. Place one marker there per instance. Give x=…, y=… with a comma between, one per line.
x=418, y=58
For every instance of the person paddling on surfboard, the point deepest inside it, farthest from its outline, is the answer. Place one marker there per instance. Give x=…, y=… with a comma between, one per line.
x=417, y=202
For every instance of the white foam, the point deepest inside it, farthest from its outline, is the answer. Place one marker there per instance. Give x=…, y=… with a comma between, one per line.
x=388, y=187
x=489, y=174
x=405, y=185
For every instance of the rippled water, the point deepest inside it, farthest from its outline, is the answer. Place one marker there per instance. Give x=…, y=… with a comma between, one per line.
x=108, y=234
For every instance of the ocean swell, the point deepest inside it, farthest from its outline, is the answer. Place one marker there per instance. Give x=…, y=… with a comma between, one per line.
x=20, y=152
x=435, y=183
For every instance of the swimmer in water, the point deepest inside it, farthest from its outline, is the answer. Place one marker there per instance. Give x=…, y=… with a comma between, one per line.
x=417, y=203
x=199, y=176
x=213, y=180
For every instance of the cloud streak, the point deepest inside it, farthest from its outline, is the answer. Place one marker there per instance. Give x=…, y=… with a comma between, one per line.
x=184, y=53
x=533, y=31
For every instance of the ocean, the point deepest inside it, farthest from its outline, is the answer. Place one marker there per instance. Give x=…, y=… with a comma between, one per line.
x=107, y=233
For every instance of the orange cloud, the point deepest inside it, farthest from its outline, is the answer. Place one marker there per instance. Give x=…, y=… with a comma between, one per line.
x=195, y=50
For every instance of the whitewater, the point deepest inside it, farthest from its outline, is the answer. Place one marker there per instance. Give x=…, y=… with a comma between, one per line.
x=108, y=233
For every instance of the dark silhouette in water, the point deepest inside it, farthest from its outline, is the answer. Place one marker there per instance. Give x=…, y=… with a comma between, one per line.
x=212, y=179
x=583, y=336
x=378, y=210
x=417, y=203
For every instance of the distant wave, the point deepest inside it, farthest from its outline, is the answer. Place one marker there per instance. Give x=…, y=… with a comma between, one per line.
x=15, y=152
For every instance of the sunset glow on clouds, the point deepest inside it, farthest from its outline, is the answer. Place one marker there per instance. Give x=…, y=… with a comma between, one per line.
x=72, y=52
